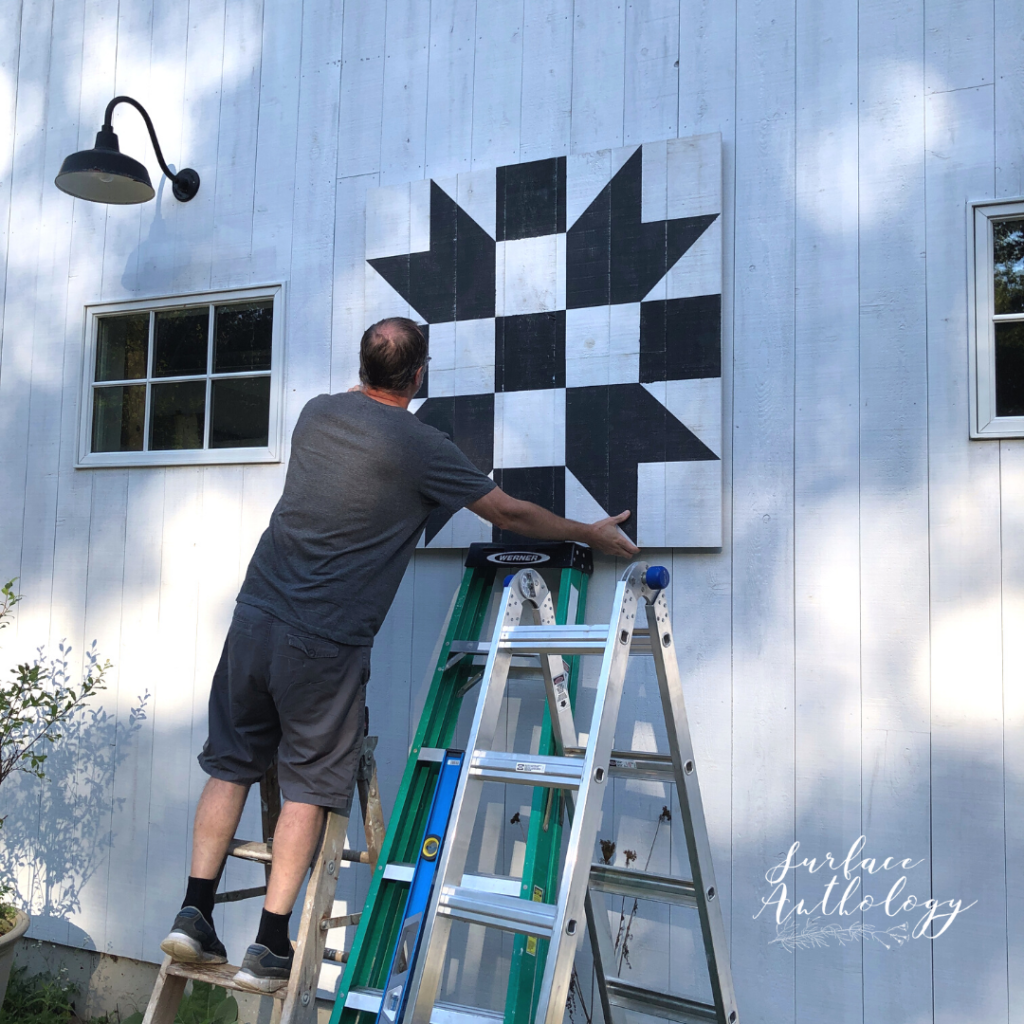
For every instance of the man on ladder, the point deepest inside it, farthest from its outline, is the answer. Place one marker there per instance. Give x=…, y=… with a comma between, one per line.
x=362, y=480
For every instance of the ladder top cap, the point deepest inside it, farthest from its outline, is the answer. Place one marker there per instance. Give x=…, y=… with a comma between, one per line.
x=531, y=555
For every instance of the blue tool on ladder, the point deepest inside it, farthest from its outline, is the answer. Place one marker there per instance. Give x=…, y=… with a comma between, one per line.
x=393, y=1003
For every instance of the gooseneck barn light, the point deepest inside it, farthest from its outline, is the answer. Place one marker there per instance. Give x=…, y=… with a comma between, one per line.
x=106, y=175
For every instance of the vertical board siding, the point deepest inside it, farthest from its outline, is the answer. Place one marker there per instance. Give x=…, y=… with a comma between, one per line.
x=895, y=667
x=1008, y=109
x=762, y=522
x=826, y=522
x=851, y=657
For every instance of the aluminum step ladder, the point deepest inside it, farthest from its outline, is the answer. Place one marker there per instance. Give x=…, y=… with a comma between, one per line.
x=456, y=671
x=294, y=1003
x=582, y=771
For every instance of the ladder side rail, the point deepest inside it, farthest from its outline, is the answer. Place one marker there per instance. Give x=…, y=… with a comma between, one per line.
x=556, y=680
x=370, y=952
x=426, y=977
x=544, y=839
x=602, y=948
x=579, y=854
x=709, y=905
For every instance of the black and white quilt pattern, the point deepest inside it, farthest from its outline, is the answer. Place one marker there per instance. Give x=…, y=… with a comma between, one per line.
x=573, y=312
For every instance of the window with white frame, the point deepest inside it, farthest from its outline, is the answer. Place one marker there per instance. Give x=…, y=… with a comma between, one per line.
x=997, y=335
x=188, y=380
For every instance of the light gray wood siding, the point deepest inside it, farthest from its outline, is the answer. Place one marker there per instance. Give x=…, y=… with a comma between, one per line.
x=853, y=656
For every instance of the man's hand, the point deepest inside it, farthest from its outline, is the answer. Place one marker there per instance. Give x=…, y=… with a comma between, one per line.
x=523, y=517
x=608, y=538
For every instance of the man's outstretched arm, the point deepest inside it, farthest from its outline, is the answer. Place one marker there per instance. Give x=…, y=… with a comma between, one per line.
x=530, y=520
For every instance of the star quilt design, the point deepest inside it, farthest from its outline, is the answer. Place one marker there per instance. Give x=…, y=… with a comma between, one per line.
x=573, y=312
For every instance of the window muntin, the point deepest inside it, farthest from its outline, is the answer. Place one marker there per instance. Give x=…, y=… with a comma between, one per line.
x=997, y=321
x=190, y=381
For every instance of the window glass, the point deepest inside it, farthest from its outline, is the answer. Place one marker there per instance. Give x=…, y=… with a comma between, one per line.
x=122, y=343
x=240, y=417
x=1010, y=368
x=242, y=337
x=180, y=343
x=1008, y=267
x=178, y=415
x=118, y=418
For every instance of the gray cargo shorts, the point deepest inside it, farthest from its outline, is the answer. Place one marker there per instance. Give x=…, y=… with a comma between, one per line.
x=279, y=690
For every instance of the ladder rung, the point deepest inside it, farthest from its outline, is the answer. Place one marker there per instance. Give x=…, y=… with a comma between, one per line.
x=449, y=1013
x=234, y=895
x=509, y=913
x=635, y=764
x=399, y=872
x=251, y=850
x=526, y=769
x=368, y=999
x=658, y=1004
x=555, y=639
x=222, y=975
x=662, y=888
x=263, y=853
x=493, y=883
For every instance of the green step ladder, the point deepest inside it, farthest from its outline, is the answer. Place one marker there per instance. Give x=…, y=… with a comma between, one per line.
x=455, y=674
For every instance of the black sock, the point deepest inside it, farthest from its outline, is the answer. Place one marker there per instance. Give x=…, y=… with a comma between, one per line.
x=199, y=894
x=273, y=933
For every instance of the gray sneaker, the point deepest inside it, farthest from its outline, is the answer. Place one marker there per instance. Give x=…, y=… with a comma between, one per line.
x=192, y=940
x=263, y=971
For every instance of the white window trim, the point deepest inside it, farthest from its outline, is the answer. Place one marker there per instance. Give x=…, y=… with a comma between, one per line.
x=981, y=300
x=195, y=456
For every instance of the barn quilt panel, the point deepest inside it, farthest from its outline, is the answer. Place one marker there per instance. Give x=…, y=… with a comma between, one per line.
x=573, y=313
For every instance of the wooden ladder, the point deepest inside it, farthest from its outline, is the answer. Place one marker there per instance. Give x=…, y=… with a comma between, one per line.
x=294, y=1003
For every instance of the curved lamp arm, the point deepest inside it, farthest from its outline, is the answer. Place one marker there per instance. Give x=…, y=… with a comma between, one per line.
x=186, y=182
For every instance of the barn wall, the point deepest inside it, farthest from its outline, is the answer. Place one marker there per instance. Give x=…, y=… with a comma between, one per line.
x=851, y=657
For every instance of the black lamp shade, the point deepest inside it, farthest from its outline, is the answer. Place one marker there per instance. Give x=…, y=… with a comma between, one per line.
x=105, y=174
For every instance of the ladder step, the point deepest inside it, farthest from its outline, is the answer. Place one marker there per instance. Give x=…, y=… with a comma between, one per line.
x=399, y=872
x=222, y=975
x=509, y=913
x=565, y=640
x=368, y=1000
x=662, y=888
x=493, y=883
x=526, y=769
x=658, y=1004
x=250, y=850
x=263, y=853
x=635, y=764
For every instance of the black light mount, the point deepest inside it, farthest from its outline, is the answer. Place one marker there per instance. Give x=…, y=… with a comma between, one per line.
x=106, y=175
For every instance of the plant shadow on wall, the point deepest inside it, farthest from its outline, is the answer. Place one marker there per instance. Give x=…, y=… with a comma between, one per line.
x=58, y=757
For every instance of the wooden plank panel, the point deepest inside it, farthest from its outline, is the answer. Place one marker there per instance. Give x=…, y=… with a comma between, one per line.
x=1009, y=182
x=362, y=89
x=893, y=481
x=498, y=82
x=966, y=618
x=763, y=739
x=127, y=882
x=449, y=135
x=404, y=122
x=547, y=87
x=235, y=184
x=598, y=72
x=349, y=279
x=702, y=595
x=10, y=53
x=174, y=742
x=651, y=88
x=827, y=528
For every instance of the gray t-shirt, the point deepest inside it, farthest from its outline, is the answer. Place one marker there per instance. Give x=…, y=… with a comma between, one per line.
x=362, y=479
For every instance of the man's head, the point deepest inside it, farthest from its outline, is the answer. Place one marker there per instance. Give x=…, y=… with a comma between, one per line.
x=391, y=354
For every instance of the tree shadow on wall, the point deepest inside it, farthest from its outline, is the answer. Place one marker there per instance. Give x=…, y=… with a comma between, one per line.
x=58, y=830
